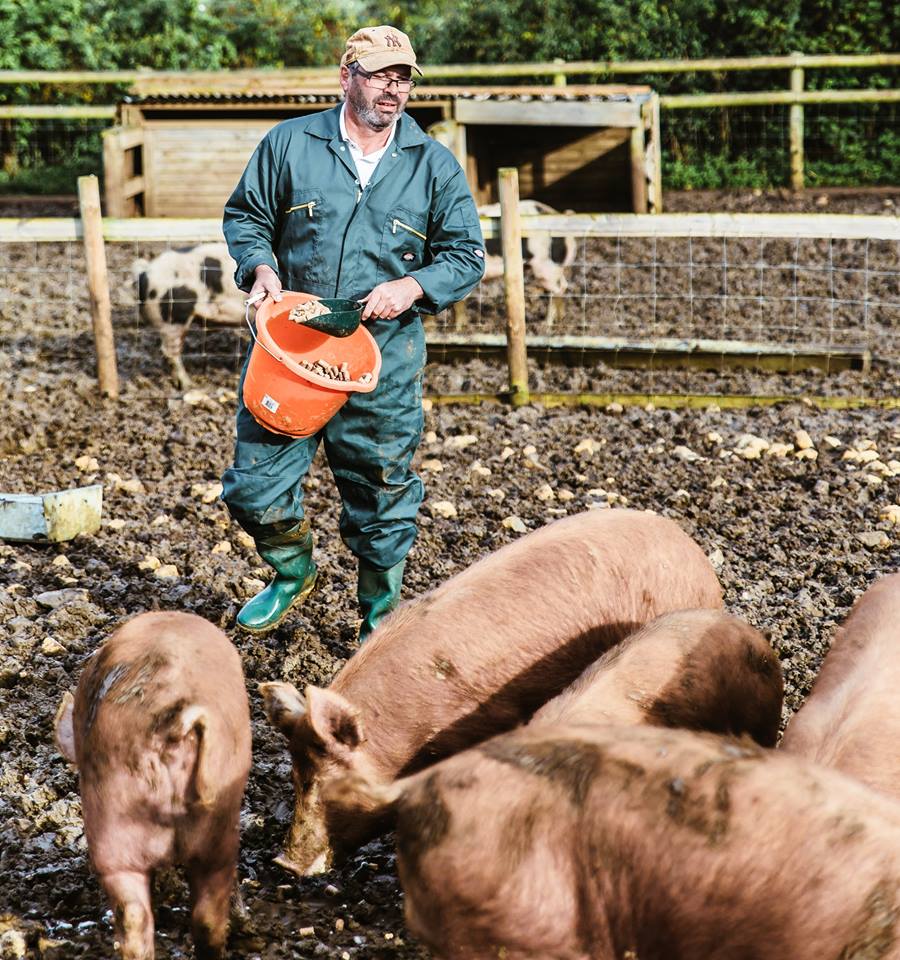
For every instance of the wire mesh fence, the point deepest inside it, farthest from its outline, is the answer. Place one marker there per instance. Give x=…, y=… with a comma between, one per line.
x=765, y=315
x=48, y=156
x=857, y=143
x=717, y=147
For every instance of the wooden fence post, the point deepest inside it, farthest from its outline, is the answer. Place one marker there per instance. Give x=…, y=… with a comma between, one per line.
x=514, y=283
x=98, y=285
x=559, y=79
x=796, y=122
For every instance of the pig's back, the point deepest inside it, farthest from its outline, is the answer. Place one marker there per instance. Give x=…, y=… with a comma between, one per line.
x=596, y=831
x=481, y=652
x=851, y=720
x=150, y=670
x=692, y=669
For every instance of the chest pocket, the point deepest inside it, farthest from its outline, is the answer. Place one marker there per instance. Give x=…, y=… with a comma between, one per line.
x=302, y=229
x=403, y=242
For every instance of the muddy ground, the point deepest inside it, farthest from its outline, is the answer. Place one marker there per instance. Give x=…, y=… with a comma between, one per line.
x=795, y=540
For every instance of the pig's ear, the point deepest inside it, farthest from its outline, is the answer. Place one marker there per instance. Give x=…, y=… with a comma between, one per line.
x=283, y=705
x=64, y=727
x=334, y=720
x=194, y=719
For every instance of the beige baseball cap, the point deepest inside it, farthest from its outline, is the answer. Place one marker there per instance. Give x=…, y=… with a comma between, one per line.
x=375, y=48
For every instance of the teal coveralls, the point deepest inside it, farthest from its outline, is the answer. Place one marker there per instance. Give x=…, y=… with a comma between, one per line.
x=299, y=208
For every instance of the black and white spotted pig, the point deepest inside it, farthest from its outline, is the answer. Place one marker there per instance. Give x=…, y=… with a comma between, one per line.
x=547, y=257
x=181, y=284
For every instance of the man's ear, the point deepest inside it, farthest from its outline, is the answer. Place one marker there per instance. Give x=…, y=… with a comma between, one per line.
x=334, y=720
x=283, y=705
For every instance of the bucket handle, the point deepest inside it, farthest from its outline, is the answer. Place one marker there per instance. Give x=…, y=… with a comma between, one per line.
x=247, y=305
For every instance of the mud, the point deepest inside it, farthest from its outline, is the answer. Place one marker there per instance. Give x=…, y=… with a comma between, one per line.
x=796, y=541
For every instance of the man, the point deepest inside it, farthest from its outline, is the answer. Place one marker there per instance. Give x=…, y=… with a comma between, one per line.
x=353, y=202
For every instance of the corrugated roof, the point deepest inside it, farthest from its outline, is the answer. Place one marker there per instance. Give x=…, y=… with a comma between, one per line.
x=527, y=94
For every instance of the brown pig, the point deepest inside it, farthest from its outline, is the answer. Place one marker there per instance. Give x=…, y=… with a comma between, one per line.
x=159, y=728
x=696, y=669
x=601, y=842
x=476, y=656
x=851, y=719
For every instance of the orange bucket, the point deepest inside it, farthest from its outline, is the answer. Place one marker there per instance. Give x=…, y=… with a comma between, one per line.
x=280, y=393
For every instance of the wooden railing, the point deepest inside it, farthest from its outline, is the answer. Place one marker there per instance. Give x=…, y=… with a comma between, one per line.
x=510, y=228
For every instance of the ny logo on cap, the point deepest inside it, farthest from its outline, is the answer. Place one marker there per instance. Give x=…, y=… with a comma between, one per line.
x=392, y=40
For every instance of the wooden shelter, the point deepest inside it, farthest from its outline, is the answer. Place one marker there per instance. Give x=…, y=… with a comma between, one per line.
x=585, y=148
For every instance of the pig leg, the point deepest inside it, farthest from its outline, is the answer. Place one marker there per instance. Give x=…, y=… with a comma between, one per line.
x=129, y=894
x=211, y=892
x=556, y=310
x=173, y=337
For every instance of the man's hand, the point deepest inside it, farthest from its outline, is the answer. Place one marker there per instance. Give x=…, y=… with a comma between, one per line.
x=266, y=282
x=389, y=300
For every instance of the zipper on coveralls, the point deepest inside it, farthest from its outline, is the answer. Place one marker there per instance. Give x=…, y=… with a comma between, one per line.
x=406, y=226
x=308, y=207
x=359, y=194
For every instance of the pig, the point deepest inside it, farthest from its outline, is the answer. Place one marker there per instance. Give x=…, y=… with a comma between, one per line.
x=180, y=284
x=478, y=655
x=547, y=257
x=159, y=729
x=851, y=719
x=606, y=842
x=694, y=669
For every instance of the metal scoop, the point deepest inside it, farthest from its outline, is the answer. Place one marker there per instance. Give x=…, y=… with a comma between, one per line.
x=341, y=322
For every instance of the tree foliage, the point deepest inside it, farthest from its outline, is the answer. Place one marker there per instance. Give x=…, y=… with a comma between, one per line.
x=228, y=34
x=212, y=34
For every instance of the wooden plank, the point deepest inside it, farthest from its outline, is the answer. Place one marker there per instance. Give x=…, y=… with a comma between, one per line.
x=57, y=112
x=129, y=137
x=638, y=170
x=556, y=114
x=264, y=78
x=57, y=516
x=189, y=128
x=459, y=91
x=668, y=352
x=674, y=401
x=774, y=97
x=655, y=157
x=716, y=64
x=133, y=186
x=176, y=152
x=765, y=225
x=130, y=115
x=721, y=225
x=151, y=171
x=128, y=229
x=114, y=174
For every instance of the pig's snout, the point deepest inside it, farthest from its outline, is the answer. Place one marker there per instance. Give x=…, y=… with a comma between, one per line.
x=321, y=864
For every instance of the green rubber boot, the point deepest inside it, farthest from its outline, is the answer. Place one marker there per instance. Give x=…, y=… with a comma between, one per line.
x=378, y=592
x=289, y=551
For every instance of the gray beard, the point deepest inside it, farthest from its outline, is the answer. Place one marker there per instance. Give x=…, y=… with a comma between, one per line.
x=369, y=116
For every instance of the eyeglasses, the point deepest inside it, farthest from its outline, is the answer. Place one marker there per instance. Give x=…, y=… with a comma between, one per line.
x=381, y=81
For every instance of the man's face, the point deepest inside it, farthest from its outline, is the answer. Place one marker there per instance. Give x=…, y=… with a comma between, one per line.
x=376, y=103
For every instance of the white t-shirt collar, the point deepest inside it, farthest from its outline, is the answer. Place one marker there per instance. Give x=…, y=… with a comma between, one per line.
x=346, y=136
